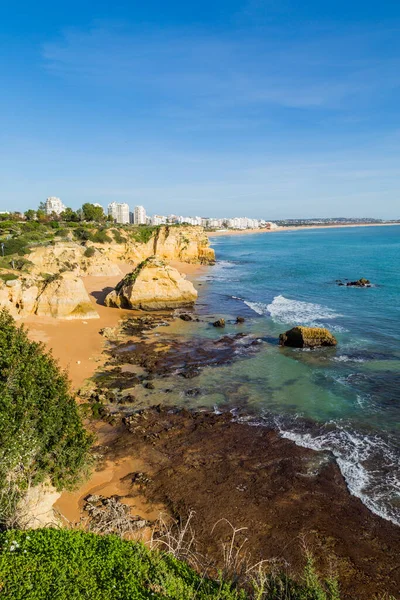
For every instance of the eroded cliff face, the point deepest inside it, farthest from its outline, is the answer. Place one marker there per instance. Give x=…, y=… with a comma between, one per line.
x=62, y=297
x=185, y=244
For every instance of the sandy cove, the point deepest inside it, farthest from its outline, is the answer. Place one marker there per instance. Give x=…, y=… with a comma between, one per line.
x=293, y=228
x=78, y=347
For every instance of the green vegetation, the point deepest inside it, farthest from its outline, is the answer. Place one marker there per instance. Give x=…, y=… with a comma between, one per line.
x=89, y=252
x=70, y=565
x=98, y=236
x=8, y=276
x=93, y=213
x=143, y=233
x=41, y=432
x=120, y=239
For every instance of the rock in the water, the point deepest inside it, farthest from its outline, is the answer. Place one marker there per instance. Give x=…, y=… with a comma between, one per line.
x=186, y=317
x=240, y=320
x=307, y=337
x=153, y=285
x=219, y=323
x=359, y=283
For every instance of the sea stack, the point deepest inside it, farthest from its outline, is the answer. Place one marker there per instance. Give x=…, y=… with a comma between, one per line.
x=307, y=337
x=153, y=285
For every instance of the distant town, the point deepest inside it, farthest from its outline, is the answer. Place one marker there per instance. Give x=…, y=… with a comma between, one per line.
x=119, y=212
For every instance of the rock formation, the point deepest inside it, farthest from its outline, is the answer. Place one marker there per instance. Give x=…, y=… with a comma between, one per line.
x=307, y=337
x=219, y=323
x=61, y=296
x=359, y=283
x=153, y=285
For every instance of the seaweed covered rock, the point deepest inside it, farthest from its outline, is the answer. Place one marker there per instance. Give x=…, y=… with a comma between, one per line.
x=153, y=285
x=307, y=337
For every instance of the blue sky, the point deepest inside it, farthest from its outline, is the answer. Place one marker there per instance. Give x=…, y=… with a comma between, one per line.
x=267, y=109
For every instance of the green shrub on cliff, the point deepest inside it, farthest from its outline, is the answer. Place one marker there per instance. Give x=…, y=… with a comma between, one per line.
x=143, y=233
x=41, y=432
x=67, y=564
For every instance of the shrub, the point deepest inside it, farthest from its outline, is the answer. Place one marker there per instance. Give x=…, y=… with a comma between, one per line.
x=8, y=276
x=16, y=245
x=143, y=233
x=65, y=564
x=100, y=237
x=41, y=432
x=120, y=239
x=89, y=252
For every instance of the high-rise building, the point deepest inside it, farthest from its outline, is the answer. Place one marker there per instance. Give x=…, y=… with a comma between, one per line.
x=139, y=215
x=54, y=205
x=119, y=212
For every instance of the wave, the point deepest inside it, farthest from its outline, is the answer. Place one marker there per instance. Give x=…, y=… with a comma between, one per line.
x=296, y=311
x=368, y=463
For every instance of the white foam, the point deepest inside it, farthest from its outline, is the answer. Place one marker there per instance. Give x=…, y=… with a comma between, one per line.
x=258, y=307
x=285, y=310
x=345, y=358
x=351, y=451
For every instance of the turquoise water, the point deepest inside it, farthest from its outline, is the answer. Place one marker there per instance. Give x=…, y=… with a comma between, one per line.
x=345, y=399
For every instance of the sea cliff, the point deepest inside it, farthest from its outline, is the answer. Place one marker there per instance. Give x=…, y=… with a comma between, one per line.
x=50, y=282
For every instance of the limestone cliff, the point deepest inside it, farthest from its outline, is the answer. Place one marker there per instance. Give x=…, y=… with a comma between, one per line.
x=73, y=256
x=54, y=286
x=187, y=244
x=61, y=296
x=153, y=285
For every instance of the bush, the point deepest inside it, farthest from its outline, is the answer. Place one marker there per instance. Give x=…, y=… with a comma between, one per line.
x=143, y=233
x=8, y=276
x=100, y=237
x=16, y=245
x=120, y=239
x=89, y=252
x=65, y=564
x=41, y=432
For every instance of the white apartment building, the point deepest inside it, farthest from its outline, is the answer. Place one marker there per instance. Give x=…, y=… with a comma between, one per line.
x=158, y=220
x=119, y=212
x=139, y=215
x=54, y=205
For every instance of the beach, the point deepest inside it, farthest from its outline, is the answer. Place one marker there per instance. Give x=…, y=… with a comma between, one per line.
x=294, y=228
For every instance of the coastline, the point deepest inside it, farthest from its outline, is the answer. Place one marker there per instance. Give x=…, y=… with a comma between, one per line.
x=221, y=461
x=294, y=228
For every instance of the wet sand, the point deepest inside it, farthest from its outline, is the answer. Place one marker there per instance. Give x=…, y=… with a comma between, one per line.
x=111, y=478
x=293, y=228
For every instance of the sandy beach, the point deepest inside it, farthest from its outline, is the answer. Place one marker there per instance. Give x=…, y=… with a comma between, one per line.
x=293, y=228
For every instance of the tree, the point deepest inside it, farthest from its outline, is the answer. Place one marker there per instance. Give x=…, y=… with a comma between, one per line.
x=92, y=212
x=41, y=215
x=70, y=215
x=30, y=215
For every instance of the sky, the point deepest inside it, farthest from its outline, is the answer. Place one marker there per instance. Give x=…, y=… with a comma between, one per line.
x=260, y=108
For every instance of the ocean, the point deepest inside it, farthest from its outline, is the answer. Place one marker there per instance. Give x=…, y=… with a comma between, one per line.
x=345, y=399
